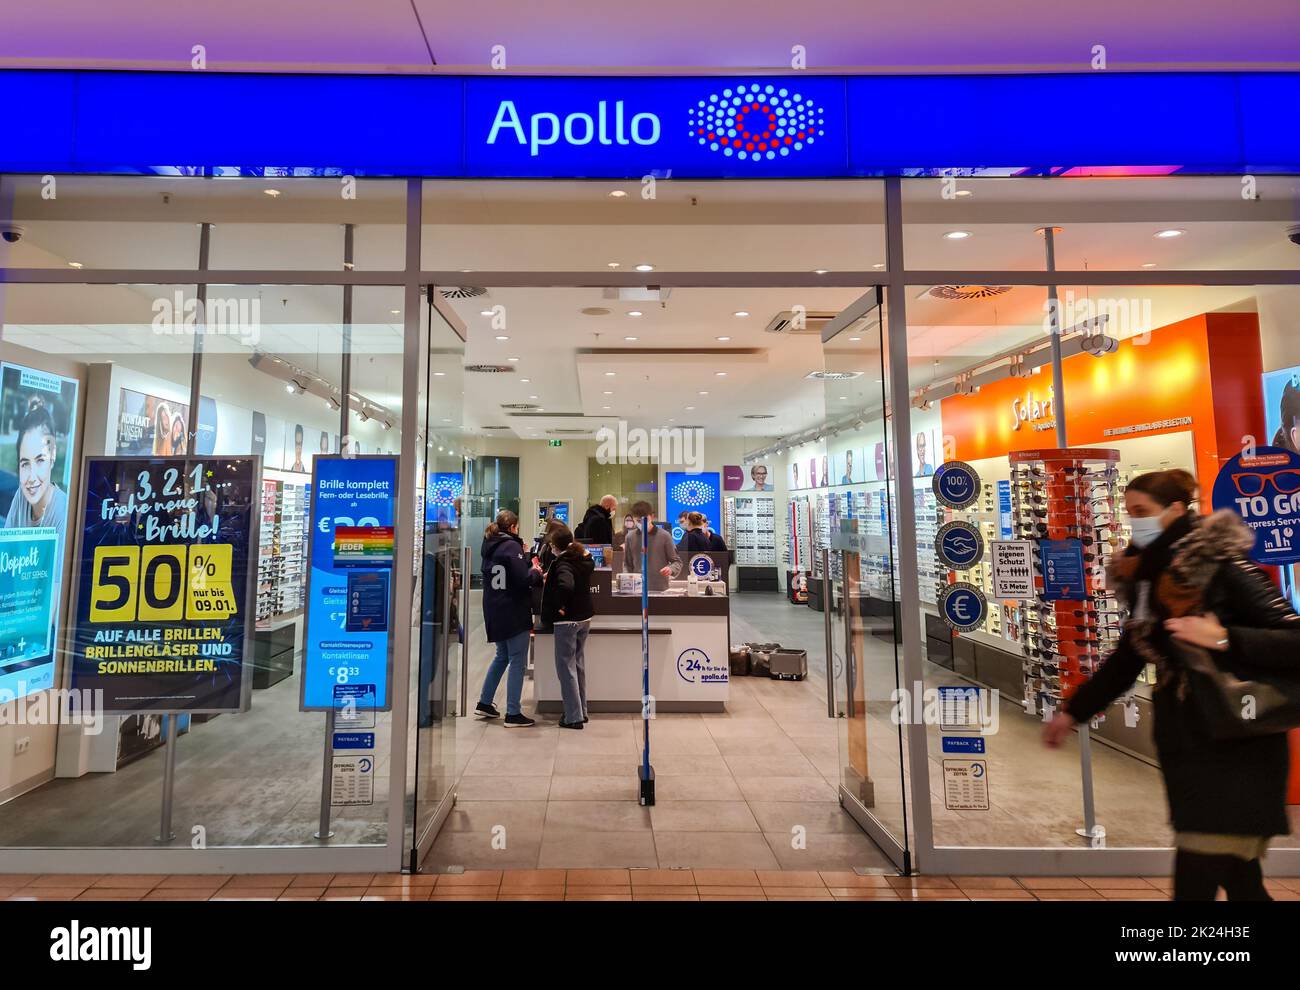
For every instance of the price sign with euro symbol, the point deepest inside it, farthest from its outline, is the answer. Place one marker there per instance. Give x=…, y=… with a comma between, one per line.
x=963, y=606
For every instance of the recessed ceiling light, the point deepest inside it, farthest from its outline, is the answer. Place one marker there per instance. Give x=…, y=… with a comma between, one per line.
x=645, y=268
x=617, y=194
x=844, y=398
x=957, y=235
x=75, y=264
x=1149, y=264
x=963, y=193
x=271, y=192
x=512, y=359
x=524, y=381
x=1169, y=233
x=724, y=339
x=485, y=312
x=702, y=393
x=605, y=407
x=610, y=374
x=609, y=393
x=532, y=397
x=635, y=312
x=395, y=312
x=821, y=271
x=631, y=338
x=690, y=408
x=855, y=339
x=740, y=312
x=502, y=336
x=720, y=374
x=878, y=264
x=612, y=264
x=440, y=374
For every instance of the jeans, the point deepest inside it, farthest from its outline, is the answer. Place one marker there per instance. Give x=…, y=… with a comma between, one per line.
x=571, y=666
x=512, y=653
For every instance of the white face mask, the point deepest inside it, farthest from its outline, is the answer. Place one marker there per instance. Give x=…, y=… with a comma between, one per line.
x=1145, y=530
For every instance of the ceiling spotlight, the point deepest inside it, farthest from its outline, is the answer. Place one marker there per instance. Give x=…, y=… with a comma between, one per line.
x=617, y=194
x=532, y=397
x=610, y=374
x=609, y=393
x=723, y=339
x=611, y=264
x=604, y=407
x=512, y=359
x=365, y=416
x=855, y=339
x=502, y=336
x=957, y=235
x=75, y=264
x=635, y=312
x=1148, y=264
x=395, y=312
x=720, y=374
x=388, y=426
x=440, y=374
x=333, y=403
x=821, y=271
x=701, y=393
x=645, y=268
x=1165, y=234
x=631, y=338
x=273, y=193
x=963, y=193
x=293, y=385
x=878, y=264
x=690, y=408
x=740, y=312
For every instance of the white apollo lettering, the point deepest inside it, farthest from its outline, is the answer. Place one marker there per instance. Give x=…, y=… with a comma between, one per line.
x=604, y=127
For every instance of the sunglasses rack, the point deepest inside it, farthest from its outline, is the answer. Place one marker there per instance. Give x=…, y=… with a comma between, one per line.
x=1065, y=503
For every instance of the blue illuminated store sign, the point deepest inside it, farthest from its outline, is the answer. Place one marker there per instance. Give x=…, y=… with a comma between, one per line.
x=723, y=126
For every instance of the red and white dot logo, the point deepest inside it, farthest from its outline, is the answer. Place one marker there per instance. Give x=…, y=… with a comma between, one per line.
x=757, y=122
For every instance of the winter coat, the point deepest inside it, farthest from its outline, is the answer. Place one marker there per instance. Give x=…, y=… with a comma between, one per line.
x=695, y=541
x=566, y=595
x=507, y=577
x=597, y=526
x=1219, y=786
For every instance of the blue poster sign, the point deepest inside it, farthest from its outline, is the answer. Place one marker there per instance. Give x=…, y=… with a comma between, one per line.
x=164, y=589
x=30, y=563
x=348, y=605
x=1061, y=563
x=700, y=493
x=956, y=484
x=1264, y=489
x=1004, y=509
x=441, y=498
x=963, y=744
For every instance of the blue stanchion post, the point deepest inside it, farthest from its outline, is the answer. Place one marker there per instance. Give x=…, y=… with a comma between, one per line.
x=645, y=772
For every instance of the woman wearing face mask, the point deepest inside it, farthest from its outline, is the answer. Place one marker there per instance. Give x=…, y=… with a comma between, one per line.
x=1186, y=581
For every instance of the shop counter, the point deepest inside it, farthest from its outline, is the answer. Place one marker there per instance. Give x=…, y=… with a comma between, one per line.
x=689, y=652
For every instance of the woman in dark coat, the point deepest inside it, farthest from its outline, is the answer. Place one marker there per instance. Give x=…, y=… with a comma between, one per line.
x=508, y=578
x=567, y=609
x=696, y=538
x=1190, y=588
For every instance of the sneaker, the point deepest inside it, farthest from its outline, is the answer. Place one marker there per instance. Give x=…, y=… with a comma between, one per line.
x=520, y=721
x=486, y=711
x=570, y=725
x=585, y=720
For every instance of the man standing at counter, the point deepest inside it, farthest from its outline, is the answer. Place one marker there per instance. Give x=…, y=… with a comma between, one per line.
x=663, y=563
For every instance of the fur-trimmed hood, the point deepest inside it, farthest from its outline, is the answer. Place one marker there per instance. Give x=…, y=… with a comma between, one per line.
x=1218, y=537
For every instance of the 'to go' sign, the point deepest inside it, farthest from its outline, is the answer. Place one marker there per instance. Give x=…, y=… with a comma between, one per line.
x=1265, y=491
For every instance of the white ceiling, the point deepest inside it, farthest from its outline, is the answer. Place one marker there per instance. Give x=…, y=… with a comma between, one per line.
x=880, y=34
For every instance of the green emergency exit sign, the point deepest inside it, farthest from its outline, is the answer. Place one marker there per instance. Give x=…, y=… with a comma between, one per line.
x=555, y=443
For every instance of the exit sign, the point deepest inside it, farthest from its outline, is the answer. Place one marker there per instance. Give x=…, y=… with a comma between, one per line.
x=555, y=443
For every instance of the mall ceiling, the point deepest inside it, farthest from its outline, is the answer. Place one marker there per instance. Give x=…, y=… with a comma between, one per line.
x=883, y=34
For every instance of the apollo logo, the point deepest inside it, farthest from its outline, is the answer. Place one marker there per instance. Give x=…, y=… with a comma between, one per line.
x=756, y=122
x=607, y=126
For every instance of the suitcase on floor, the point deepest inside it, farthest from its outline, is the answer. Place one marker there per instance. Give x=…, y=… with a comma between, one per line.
x=760, y=658
x=739, y=656
x=788, y=665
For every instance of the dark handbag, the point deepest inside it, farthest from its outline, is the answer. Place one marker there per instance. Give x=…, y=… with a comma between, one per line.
x=1237, y=708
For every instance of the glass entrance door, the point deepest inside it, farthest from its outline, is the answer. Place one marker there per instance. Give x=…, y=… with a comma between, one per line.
x=437, y=679
x=854, y=562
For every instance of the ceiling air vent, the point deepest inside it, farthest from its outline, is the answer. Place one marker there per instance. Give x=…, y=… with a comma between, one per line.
x=494, y=427
x=960, y=292
x=834, y=376
x=518, y=405
x=569, y=433
x=788, y=323
x=490, y=369
x=759, y=416
x=463, y=292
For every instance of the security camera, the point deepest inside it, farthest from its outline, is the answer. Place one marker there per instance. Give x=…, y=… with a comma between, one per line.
x=11, y=232
x=1292, y=235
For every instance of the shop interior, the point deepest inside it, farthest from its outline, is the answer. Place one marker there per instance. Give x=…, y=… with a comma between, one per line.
x=771, y=405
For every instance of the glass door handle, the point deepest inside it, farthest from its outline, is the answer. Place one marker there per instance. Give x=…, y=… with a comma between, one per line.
x=830, y=635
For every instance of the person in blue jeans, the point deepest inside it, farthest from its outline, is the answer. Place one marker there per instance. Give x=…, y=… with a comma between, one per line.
x=509, y=574
x=566, y=612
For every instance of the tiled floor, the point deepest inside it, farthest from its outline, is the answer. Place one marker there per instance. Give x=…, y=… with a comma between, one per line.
x=596, y=885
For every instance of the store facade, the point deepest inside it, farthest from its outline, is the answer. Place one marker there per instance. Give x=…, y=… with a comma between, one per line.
x=117, y=226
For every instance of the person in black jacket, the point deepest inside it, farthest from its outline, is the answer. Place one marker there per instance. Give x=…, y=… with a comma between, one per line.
x=696, y=537
x=1190, y=587
x=567, y=610
x=508, y=576
x=597, y=525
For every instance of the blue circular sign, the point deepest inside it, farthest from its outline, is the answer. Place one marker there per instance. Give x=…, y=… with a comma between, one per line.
x=959, y=545
x=963, y=606
x=956, y=484
x=701, y=565
x=1264, y=489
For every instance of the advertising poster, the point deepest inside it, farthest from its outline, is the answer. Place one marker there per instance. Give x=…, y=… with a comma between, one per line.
x=552, y=509
x=164, y=591
x=38, y=418
x=692, y=493
x=1282, y=409
x=758, y=479
x=1264, y=490
x=349, y=594
x=442, y=499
